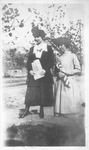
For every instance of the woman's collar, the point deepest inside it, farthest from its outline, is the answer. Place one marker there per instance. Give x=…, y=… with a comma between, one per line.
x=42, y=46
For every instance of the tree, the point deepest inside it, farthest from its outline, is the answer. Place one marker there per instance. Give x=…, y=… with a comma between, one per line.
x=49, y=19
x=20, y=60
x=75, y=34
x=42, y=19
x=9, y=58
x=9, y=17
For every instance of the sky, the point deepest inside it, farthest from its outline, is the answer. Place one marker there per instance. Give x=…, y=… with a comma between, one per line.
x=73, y=12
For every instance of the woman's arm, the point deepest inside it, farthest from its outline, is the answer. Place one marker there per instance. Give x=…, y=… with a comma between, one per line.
x=76, y=67
x=50, y=59
x=31, y=57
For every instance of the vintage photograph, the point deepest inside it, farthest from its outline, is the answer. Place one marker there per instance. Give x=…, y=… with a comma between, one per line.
x=43, y=74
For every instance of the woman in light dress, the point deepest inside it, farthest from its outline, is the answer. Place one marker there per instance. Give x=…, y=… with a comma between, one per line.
x=66, y=89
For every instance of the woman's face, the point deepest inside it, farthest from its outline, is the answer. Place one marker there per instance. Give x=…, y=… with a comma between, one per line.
x=63, y=48
x=38, y=40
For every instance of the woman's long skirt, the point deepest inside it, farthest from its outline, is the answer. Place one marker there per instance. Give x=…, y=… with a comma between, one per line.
x=39, y=95
x=66, y=99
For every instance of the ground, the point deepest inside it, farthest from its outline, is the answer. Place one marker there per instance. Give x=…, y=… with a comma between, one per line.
x=33, y=131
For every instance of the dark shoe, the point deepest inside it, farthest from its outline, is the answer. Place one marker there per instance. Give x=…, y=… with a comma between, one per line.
x=59, y=115
x=24, y=114
x=83, y=104
x=41, y=114
x=56, y=114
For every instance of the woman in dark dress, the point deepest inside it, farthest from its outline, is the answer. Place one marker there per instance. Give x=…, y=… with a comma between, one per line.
x=39, y=91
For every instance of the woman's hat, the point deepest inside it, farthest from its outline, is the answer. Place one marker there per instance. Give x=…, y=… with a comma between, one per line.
x=38, y=33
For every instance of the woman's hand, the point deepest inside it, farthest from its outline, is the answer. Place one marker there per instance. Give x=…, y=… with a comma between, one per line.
x=42, y=72
x=31, y=72
x=68, y=72
x=58, y=65
x=77, y=72
x=61, y=75
x=74, y=72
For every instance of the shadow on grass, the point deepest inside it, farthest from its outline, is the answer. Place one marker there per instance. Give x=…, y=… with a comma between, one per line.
x=47, y=135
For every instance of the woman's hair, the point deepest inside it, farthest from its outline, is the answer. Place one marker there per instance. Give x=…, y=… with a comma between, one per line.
x=38, y=33
x=65, y=41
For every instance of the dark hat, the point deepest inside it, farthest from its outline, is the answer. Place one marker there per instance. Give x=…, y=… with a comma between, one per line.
x=38, y=33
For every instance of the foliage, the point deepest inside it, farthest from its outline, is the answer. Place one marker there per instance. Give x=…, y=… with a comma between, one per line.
x=10, y=15
x=14, y=59
x=49, y=19
x=74, y=33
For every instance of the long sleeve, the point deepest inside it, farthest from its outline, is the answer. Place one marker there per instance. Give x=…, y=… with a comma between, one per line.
x=48, y=64
x=76, y=64
x=31, y=57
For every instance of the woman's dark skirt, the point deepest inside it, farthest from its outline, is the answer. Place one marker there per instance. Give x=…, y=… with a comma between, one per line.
x=39, y=95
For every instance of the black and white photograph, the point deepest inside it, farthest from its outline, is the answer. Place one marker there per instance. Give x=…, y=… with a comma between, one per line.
x=43, y=91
